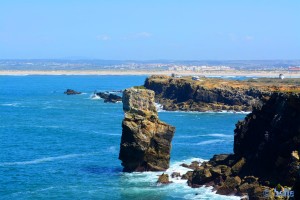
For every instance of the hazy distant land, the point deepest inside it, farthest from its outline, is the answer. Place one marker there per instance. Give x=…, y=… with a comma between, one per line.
x=150, y=72
x=266, y=68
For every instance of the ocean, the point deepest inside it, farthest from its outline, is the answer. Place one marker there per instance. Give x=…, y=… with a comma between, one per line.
x=55, y=146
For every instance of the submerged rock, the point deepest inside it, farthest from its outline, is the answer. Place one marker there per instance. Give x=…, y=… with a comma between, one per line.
x=146, y=141
x=164, y=179
x=108, y=97
x=71, y=92
x=175, y=175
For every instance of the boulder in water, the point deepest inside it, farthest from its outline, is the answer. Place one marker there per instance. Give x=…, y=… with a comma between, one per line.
x=71, y=92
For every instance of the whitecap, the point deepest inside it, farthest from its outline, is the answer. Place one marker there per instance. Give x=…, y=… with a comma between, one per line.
x=49, y=107
x=207, y=112
x=95, y=97
x=45, y=159
x=209, y=142
x=112, y=149
x=35, y=191
x=219, y=135
x=204, y=135
x=11, y=104
x=229, y=112
x=50, y=126
x=159, y=107
x=114, y=134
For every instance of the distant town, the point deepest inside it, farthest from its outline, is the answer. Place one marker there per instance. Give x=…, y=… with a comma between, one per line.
x=159, y=65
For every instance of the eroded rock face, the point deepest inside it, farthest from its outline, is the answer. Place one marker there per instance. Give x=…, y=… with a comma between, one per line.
x=266, y=153
x=269, y=139
x=146, y=141
x=211, y=94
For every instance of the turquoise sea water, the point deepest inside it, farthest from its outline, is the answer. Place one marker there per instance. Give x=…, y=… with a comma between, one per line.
x=55, y=146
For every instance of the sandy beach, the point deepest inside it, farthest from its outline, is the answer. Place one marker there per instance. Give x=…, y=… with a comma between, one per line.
x=149, y=72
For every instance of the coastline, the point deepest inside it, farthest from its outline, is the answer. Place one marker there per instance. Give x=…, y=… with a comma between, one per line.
x=248, y=73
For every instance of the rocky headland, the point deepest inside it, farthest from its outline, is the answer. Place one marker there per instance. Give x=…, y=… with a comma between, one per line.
x=212, y=94
x=146, y=141
x=265, y=161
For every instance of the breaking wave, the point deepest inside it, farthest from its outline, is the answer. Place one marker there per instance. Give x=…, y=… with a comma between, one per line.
x=45, y=159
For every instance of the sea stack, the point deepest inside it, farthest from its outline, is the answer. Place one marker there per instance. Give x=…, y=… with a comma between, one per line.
x=146, y=141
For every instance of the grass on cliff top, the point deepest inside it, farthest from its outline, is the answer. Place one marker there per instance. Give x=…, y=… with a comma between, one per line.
x=139, y=87
x=268, y=84
x=295, y=81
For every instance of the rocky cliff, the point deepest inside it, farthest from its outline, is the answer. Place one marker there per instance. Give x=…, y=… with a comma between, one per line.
x=211, y=94
x=266, y=146
x=146, y=141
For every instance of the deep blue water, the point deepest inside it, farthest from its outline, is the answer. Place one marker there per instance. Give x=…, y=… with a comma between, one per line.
x=55, y=146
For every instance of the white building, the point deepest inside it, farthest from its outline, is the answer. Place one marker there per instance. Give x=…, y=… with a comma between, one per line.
x=281, y=76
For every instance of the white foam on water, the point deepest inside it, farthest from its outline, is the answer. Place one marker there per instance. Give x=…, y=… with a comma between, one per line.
x=188, y=136
x=34, y=191
x=48, y=126
x=218, y=135
x=175, y=167
x=177, y=189
x=112, y=149
x=95, y=97
x=209, y=142
x=45, y=159
x=11, y=104
x=212, y=112
x=114, y=134
x=206, y=142
x=228, y=111
x=159, y=107
x=49, y=107
x=204, y=135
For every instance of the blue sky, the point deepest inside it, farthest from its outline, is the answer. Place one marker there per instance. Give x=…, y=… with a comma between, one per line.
x=146, y=30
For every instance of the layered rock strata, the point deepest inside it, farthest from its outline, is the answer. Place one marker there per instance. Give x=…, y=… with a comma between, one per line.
x=146, y=141
x=211, y=94
x=266, y=146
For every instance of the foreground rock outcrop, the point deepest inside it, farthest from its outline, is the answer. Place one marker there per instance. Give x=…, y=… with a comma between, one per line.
x=266, y=154
x=146, y=141
x=211, y=94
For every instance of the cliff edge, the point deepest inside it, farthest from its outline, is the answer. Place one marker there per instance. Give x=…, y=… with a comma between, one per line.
x=146, y=141
x=212, y=94
x=266, y=153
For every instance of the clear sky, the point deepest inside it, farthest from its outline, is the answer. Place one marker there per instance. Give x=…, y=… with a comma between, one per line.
x=152, y=29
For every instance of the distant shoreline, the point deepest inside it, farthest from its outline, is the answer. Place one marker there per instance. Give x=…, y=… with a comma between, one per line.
x=149, y=72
